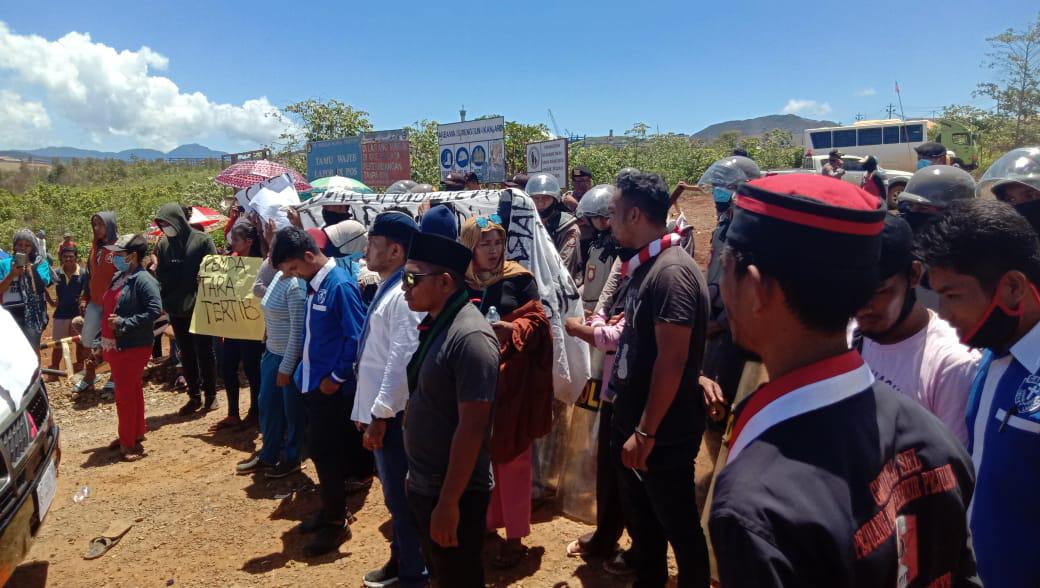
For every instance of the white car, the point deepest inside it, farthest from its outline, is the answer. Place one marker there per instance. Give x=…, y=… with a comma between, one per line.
x=895, y=180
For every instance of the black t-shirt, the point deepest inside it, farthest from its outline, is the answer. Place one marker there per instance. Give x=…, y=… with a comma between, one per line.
x=668, y=289
x=506, y=295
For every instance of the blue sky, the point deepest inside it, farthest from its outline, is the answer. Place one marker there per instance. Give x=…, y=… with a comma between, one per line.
x=214, y=68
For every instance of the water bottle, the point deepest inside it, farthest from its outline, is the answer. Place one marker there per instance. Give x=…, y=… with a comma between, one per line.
x=492, y=315
x=81, y=494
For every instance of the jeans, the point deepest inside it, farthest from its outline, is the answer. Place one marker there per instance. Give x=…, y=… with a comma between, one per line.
x=248, y=354
x=328, y=419
x=610, y=516
x=358, y=462
x=461, y=566
x=405, y=545
x=662, y=509
x=197, y=358
x=281, y=413
x=91, y=326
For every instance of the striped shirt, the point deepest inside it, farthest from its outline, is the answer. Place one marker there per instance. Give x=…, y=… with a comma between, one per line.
x=285, y=307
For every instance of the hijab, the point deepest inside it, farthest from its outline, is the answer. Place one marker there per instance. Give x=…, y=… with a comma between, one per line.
x=470, y=236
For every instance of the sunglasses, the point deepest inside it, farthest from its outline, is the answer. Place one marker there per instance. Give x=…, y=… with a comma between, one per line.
x=484, y=221
x=410, y=279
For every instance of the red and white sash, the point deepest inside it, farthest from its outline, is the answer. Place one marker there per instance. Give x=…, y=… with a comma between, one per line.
x=650, y=251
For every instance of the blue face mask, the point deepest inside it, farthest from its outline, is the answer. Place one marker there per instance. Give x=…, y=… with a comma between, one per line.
x=721, y=195
x=120, y=262
x=923, y=163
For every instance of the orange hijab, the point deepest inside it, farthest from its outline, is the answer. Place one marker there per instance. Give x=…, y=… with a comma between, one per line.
x=470, y=237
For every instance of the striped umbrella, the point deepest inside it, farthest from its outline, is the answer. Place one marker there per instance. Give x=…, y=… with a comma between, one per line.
x=207, y=218
x=246, y=173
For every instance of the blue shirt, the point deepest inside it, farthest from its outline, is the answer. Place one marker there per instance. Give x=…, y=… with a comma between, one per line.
x=1004, y=442
x=334, y=318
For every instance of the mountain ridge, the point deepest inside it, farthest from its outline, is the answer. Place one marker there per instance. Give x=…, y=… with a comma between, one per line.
x=189, y=150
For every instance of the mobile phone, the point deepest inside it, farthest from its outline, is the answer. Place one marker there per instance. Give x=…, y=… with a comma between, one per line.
x=21, y=259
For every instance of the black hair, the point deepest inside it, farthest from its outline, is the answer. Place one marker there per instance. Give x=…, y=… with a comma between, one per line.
x=291, y=243
x=647, y=192
x=822, y=299
x=247, y=230
x=740, y=152
x=141, y=249
x=984, y=239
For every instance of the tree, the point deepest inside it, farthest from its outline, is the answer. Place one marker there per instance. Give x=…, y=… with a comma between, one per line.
x=422, y=137
x=517, y=136
x=312, y=120
x=1015, y=56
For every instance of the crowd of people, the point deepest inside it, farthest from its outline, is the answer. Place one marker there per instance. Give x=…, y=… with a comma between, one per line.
x=865, y=377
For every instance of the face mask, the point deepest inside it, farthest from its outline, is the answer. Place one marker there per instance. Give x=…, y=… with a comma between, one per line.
x=997, y=326
x=721, y=195
x=917, y=220
x=1030, y=210
x=121, y=263
x=332, y=218
x=626, y=253
x=923, y=163
x=169, y=231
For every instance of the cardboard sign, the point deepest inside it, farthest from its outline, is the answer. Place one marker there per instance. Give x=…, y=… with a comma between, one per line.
x=225, y=306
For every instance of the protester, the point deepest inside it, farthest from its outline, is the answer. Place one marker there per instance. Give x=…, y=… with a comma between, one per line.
x=1015, y=178
x=453, y=182
x=325, y=376
x=658, y=417
x=562, y=226
x=179, y=254
x=452, y=378
x=67, y=242
x=472, y=181
x=873, y=181
x=984, y=261
x=524, y=399
x=931, y=153
x=245, y=242
x=422, y=189
x=517, y=181
x=594, y=208
x=41, y=240
x=72, y=280
x=835, y=166
x=388, y=340
x=24, y=278
x=831, y=479
x=129, y=307
x=440, y=220
x=401, y=187
x=908, y=346
x=99, y=271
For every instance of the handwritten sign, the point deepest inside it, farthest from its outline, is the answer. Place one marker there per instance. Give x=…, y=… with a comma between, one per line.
x=225, y=306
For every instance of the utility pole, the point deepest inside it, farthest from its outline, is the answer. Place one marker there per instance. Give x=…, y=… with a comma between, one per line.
x=859, y=117
x=891, y=108
x=462, y=113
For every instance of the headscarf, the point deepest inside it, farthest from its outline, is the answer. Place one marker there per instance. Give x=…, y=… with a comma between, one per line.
x=470, y=236
x=35, y=305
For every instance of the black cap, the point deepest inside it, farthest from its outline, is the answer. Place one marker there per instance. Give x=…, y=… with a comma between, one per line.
x=128, y=243
x=472, y=177
x=581, y=171
x=835, y=153
x=394, y=225
x=896, y=243
x=454, y=181
x=930, y=149
x=518, y=181
x=440, y=251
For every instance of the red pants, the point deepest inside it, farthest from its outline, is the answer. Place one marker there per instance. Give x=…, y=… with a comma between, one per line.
x=511, y=499
x=127, y=369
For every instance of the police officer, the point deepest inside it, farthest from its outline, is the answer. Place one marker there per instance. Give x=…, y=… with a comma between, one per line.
x=563, y=229
x=930, y=153
x=1015, y=179
x=594, y=208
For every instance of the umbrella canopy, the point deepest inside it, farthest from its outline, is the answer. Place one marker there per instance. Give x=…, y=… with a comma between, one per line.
x=339, y=183
x=246, y=173
x=207, y=218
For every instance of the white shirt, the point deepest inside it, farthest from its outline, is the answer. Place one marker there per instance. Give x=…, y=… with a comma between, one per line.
x=382, y=379
x=932, y=367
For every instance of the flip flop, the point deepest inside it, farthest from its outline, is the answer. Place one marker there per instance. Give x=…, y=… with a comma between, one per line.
x=107, y=540
x=83, y=385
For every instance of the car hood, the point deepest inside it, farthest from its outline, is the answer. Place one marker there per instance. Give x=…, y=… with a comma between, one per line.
x=18, y=364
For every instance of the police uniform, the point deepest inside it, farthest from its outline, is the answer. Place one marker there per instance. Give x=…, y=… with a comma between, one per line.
x=834, y=479
x=597, y=269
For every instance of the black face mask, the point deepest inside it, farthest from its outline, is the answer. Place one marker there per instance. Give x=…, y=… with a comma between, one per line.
x=997, y=326
x=1030, y=210
x=916, y=220
x=332, y=218
x=626, y=253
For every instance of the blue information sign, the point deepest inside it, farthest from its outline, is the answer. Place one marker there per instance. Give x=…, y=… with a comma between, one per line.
x=338, y=157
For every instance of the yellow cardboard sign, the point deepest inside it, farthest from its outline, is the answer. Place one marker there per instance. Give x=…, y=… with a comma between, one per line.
x=225, y=305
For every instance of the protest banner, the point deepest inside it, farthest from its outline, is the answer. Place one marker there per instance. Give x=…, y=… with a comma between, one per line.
x=385, y=162
x=338, y=157
x=225, y=305
x=474, y=146
x=269, y=199
x=549, y=157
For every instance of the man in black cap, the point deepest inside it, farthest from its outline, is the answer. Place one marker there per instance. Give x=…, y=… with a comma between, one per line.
x=472, y=181
x=581, y=182
x=453, y=182
x=452, y=378
x=930, y=153
x=831, y=479
x=908, y=346
x=517, y=181
x=835, y=166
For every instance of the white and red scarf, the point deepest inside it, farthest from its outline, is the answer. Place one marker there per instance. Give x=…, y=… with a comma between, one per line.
x=650, y=251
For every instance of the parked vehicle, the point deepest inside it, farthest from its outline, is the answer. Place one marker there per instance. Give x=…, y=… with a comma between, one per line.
x=892, y=141
x=895, y=180
x=29, y=448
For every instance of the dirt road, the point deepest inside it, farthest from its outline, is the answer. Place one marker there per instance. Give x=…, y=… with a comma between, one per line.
x=196, y=523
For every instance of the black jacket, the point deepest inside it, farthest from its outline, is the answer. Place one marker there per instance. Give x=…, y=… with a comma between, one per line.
x=136, y=309
x=180, y=258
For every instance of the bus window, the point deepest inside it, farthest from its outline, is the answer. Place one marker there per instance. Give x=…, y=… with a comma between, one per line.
x=891, y=135
x=912, y=134
x=821, y=140
x=961, y=139
x=845, y=138
x=869, y=136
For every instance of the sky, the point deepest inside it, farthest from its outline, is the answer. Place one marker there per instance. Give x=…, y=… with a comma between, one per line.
x=121, y=74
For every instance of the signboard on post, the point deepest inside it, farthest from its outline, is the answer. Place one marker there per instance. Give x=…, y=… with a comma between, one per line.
x=385, y=162
x=338, y=157
x=549, y=157
x=474, y=146
x=233, y=158
x=225, y=306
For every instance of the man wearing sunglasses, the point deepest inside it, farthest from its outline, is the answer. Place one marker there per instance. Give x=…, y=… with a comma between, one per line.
x=452, y=378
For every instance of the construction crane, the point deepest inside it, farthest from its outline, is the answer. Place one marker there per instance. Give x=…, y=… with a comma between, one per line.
x=556, y=126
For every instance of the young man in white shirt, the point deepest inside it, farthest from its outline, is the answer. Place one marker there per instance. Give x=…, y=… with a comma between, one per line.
x=388, y=340
x=908, y=346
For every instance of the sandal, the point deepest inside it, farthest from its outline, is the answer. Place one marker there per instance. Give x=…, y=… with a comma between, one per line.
x=101, y=544
x=509, y=557
x=83, y=385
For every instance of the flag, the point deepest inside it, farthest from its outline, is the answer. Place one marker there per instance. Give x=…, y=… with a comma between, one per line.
x=897, y=87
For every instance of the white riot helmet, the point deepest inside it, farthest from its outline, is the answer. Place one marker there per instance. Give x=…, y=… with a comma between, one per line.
x=543, y=184
x=1018, y=166
x=730, y=171
x=595, y=202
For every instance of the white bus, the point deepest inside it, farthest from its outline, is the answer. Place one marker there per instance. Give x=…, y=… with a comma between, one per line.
x=893, y=141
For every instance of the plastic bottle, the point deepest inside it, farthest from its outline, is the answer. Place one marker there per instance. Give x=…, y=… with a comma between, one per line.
x=492, y=315
x=81, y=494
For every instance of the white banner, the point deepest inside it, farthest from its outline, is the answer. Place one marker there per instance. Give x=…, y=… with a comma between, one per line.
x=528, y=243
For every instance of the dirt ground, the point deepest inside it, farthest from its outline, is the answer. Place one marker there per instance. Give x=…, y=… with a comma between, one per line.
x=196, y=523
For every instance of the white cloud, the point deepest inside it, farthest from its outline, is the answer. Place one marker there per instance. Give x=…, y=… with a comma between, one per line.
x=866, y=92
x=115, y=93
x=810, y=107
x=23, y=124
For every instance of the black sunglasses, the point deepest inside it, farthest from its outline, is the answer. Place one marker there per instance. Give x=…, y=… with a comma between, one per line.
x=410, y=279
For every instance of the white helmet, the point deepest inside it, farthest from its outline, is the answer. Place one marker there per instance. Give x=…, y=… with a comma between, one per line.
x=543, y=184
x=595, y=202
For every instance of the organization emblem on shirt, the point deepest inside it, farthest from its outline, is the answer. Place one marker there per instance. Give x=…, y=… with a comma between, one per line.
x=1027, y=398
x=320, y=296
